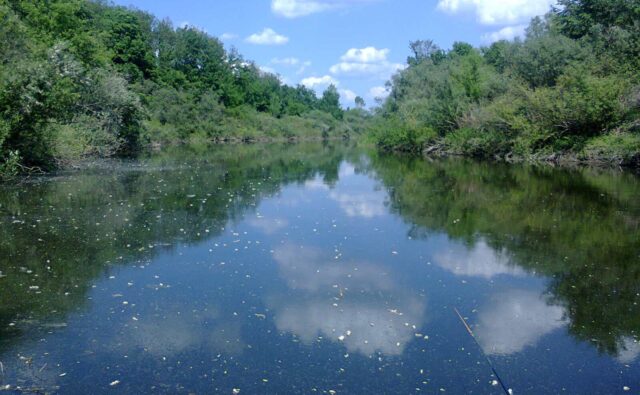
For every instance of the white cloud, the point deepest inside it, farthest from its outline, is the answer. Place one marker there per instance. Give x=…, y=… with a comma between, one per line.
x=308, y=269
x=299, y=8
x=267, y=37
x=347, y=95
x=629, y=350
x=365, y=55
x=498, y=12
x=506, y=33
x=479, y=261
x=383, y=68
x=378, y=92
x=515, y=319
x=228, y=36
x=364, y=204
x=370, y=312
x=361, y=200
x=316, y=184
x=366, y=61
x=313, y=82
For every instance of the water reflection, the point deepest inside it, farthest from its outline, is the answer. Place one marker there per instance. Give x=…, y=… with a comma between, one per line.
x=356, y=303
x=359, y=200
x=267, y=247
x=515, y=319
x=629, y=350
x=174, y=332
x=578, y=228
x=479, y=260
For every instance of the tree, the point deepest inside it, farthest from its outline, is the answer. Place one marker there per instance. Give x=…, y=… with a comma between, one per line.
x=330, y=102
x=578, y=17
x=422, y=50
x=360, y=102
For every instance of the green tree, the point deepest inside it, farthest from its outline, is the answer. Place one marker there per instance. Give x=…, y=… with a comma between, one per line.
x=330, y=102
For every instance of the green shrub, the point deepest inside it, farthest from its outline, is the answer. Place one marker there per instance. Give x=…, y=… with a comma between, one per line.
x=623, y=148
x=10, y=166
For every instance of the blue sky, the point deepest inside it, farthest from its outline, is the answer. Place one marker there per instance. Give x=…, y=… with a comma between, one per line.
x=355, y=44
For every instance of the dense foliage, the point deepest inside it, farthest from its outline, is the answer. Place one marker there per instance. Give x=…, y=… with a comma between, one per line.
x=570, y=87
x=83, y=78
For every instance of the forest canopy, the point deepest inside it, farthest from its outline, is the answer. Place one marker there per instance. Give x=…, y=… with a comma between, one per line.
x=85, y=78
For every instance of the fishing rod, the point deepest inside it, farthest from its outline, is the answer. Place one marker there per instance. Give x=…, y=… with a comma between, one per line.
x=495, y=373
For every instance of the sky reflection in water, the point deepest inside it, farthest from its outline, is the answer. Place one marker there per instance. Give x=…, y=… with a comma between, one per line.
x=317, y=268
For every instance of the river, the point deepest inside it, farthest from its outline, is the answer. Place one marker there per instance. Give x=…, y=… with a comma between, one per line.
x=319, y=268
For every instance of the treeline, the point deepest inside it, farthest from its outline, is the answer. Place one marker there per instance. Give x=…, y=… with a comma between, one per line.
x=83, y=78
x=570, y=89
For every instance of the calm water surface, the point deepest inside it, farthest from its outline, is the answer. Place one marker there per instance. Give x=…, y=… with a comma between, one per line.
x=319, y=269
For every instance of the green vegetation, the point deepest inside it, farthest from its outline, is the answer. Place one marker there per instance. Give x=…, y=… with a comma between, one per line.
x=83, y=78
x=530, y=213
x=570, y=89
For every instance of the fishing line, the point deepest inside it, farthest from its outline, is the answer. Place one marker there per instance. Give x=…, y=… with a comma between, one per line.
x=495, y=373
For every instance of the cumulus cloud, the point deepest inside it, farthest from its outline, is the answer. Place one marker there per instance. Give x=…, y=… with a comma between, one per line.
x=515, y=319
x=348, y=95
x=300, y=8
x=366, y=61
x=267, y=37
x=355, y=303
x=506, y=33
x=365, y=55
x=313, y=82
x=479, y=261
x=378, y=92
x=498, y=12
x=228, y=36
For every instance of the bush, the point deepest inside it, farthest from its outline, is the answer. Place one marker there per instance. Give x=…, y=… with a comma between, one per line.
x=622, y=148
x=394, y=134
x=10, y=166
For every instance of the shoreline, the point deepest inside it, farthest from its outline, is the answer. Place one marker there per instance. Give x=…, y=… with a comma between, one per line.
x=556, y=159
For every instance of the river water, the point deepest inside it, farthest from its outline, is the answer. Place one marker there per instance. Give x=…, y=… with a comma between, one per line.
x=319, y=268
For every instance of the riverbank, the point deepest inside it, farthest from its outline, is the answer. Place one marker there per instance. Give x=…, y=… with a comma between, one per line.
x=563, y=159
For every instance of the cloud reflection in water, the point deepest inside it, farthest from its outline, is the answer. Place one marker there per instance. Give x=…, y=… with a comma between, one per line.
x=358, y=304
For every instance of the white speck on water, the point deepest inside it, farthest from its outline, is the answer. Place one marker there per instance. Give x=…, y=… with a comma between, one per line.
x=114, y=383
